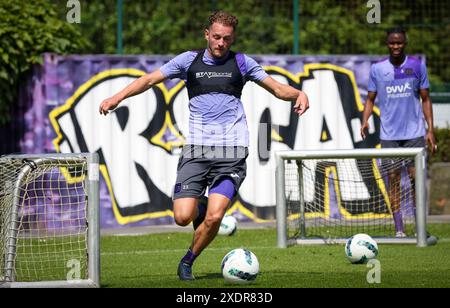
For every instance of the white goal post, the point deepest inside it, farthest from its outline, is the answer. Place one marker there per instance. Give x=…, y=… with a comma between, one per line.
x=326, y=196
x=49, y=220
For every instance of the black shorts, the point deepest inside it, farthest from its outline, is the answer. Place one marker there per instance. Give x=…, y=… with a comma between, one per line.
x=200, y=167
x=410, y=143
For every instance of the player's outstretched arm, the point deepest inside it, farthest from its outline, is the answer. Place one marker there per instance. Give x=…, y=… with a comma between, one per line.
x=287, y=93
x=136, y=87
x=368, y=108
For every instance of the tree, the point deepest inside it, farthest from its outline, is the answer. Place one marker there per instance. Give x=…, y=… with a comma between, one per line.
x=28, y=29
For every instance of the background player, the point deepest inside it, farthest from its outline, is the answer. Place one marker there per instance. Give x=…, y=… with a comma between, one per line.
x=401, y=85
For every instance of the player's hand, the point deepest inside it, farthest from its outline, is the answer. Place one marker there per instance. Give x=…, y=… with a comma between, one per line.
x=302, y=104
x=108, y=104
x=432, y=142
x=364, y=128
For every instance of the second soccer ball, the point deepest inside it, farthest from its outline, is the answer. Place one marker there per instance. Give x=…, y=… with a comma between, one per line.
x=360, y=248
x=228, y=226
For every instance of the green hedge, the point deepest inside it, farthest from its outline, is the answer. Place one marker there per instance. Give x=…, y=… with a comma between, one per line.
x=28, y=29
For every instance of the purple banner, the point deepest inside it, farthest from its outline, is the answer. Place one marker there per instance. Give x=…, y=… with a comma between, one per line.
x=139, y=143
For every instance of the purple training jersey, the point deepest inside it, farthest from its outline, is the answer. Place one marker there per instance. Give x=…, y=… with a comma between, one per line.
x=398, y=97
x=215, y=118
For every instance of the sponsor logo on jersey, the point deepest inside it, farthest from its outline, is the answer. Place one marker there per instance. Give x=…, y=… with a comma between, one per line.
x=213, y=75
x=398, y=91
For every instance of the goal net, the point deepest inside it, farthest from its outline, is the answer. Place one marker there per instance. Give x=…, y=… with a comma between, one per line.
x=49, y=227
x=328, y=196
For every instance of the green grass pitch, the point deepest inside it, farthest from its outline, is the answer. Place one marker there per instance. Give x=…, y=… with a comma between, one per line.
x=151, y=261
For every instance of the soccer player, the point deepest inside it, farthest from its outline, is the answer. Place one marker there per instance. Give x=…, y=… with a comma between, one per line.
x=217, y=145
x=401, y=84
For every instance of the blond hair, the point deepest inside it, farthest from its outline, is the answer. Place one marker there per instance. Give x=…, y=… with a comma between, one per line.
x=223, y=18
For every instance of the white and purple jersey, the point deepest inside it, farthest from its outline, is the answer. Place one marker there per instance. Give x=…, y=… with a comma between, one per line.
x=215, y=119
x=398, y=97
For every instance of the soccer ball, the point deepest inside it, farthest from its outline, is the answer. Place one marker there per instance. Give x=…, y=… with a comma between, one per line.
x=360, y=248
x=228, y=226
x=240, y=266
